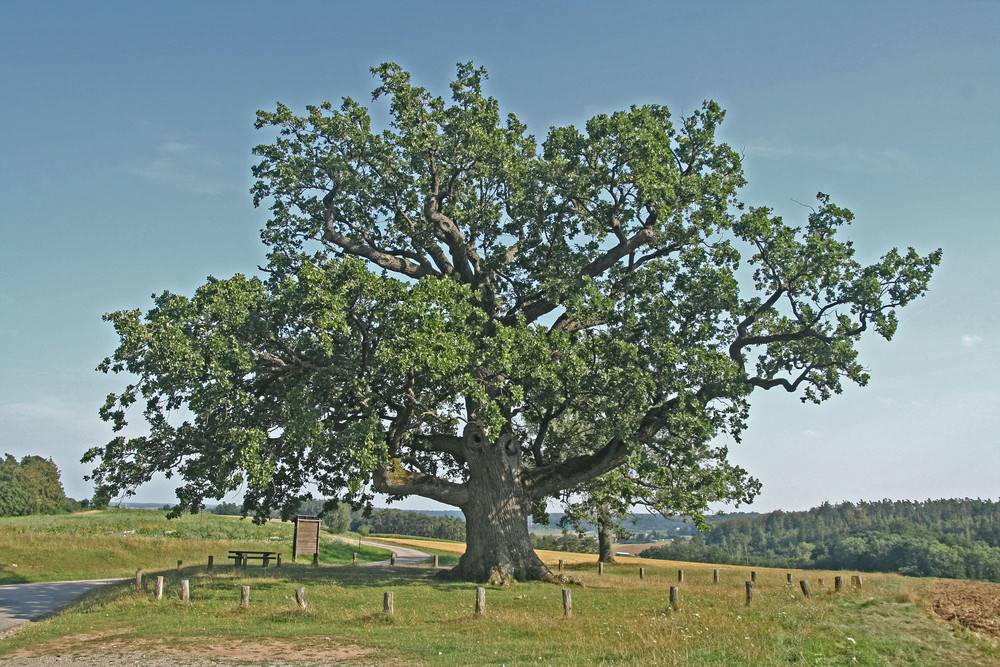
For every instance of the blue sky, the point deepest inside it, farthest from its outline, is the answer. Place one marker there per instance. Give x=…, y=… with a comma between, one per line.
x=127, y=130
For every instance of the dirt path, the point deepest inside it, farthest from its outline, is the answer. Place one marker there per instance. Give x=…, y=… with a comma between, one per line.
x=404, y=555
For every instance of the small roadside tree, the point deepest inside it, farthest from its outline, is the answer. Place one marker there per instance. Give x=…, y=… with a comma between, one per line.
x=443, y=298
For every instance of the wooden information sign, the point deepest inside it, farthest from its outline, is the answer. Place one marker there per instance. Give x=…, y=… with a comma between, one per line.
x=306, y=540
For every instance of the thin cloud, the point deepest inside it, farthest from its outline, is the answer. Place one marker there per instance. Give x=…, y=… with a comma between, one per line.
x=188, y=167
x=971, y=341
x=841, y=157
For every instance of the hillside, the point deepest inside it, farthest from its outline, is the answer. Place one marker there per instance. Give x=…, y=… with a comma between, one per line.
x=956, y=538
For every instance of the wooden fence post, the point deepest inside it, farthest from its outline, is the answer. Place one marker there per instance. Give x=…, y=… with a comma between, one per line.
x=675, y=598
x=185, y=591
x=600, y=569
x=211, y=563
x=567, y=602
x=388, y=603
x=753, y=576
x=180, y=564
x=749, y=592
x=159, y=588
x=642, y=573
x=316, y=559
x=138, y=578
x=804, y=585
x=789, y=576
x=436, y=561
x=355, y=560
x=480, y=601
x=245, y=597
x=300, y=597
x=680, y=576
x=838, y=584
x=560, y=564
x=715, y=576
x=279, y=560
x=392, y=559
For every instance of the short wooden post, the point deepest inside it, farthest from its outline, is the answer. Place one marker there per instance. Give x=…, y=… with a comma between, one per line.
x=804, y=585
x=480, y=601
x=211, y=563
x=753, y=576
x=789, y=576
x=560, y=564
x=675, y=598
x=300, y=597
x=159, y=588
x=354, y=561
x=600, y=569
x=680, y=576
x=567, y=602
x=245, y=597
x=749, y=592
x=185, y=590
x=244, y=561
x=715, y=576
x=316, y=559
x=856, y=582
x=279, y=560
x=392, y=559
x=180, y=564
x=642, y=573
x=388, y=604
x=138, y=578
x=436, y=560
x=838, y=584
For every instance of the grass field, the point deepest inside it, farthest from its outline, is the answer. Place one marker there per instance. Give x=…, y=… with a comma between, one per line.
x=617, y=618
x=113, y=543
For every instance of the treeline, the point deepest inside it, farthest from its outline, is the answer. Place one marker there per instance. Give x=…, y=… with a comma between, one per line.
x=957, y=538
x=385, y=521
x=32, y=486
x=567, y=541
x=402, y=522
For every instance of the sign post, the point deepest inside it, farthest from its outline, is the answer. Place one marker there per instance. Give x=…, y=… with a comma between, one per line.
x=306, y=539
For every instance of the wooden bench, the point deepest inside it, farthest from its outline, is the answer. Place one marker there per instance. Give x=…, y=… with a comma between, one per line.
x=240, y=557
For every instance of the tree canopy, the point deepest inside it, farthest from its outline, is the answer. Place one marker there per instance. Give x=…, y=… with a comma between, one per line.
x=452, y=310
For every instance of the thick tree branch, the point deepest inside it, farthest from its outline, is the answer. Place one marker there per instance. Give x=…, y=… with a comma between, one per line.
x=550, y=479
x=385, y=260
x=393, y=480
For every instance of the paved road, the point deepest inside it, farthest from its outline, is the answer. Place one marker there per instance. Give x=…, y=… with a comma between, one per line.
x=20, y=603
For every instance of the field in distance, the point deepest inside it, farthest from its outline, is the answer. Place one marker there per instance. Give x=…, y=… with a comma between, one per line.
x=617, y=618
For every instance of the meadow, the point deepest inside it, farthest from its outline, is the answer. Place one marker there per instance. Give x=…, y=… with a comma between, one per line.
x=617, y=619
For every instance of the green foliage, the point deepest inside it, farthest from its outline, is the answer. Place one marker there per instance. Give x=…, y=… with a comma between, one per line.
x=567, y=541
x=939, y=538
x=32, y=486
x=579, y=296
x=400, y=522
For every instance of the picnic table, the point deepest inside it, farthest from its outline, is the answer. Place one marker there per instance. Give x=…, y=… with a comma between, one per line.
x=241, y=556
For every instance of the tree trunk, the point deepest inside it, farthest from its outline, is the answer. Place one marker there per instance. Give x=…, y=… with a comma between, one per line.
x=605, y=540
x=498, y=547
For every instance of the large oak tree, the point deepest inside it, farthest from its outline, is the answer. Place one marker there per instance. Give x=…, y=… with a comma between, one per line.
x=452, y=311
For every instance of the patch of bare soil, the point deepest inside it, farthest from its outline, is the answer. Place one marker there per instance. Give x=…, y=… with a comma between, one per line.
x=94, y=649
x=972, y=604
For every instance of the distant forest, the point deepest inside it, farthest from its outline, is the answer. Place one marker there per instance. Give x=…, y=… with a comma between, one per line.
x=957, y=538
